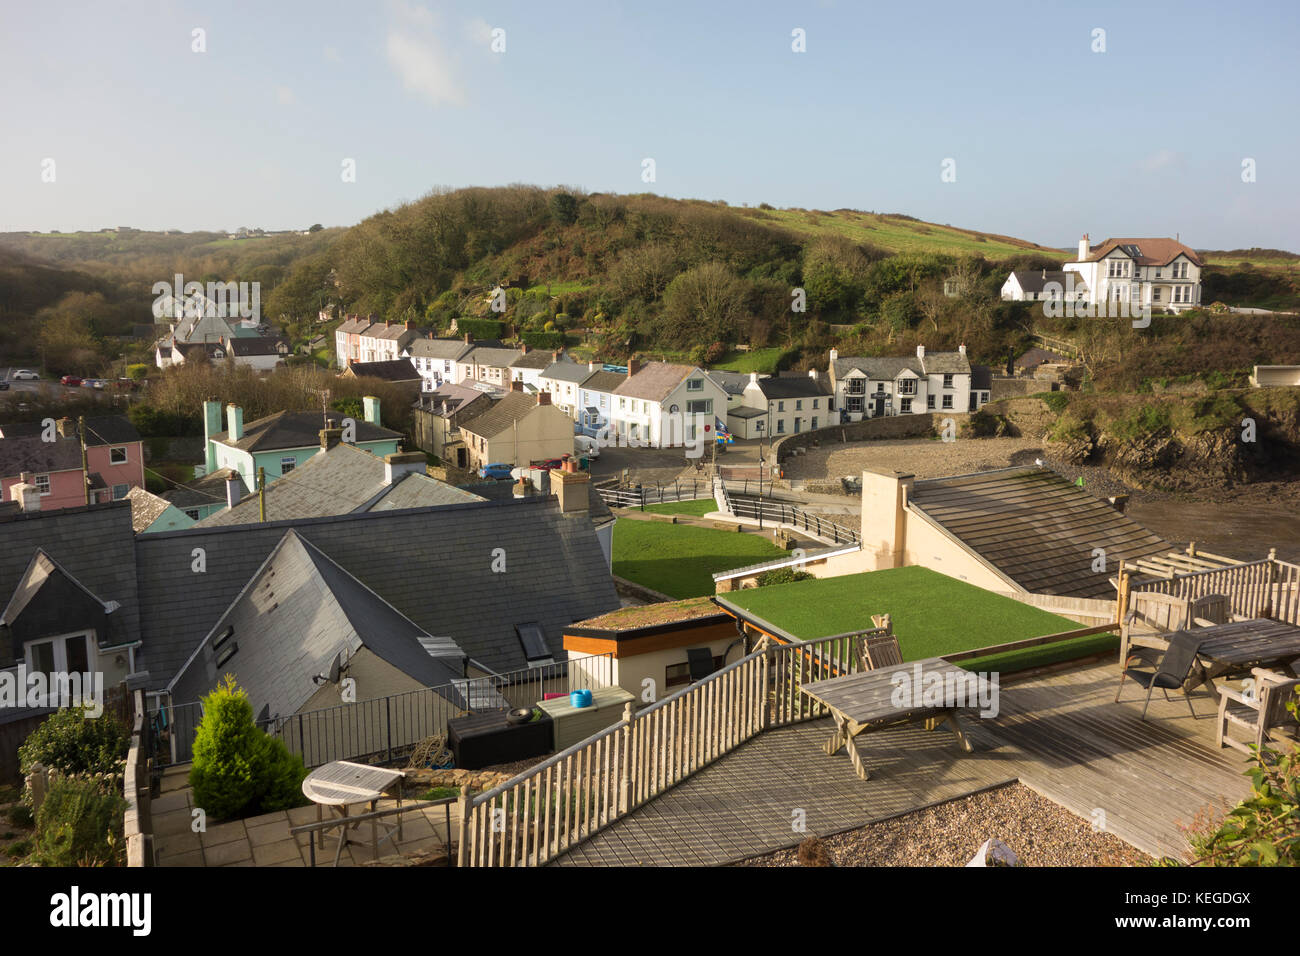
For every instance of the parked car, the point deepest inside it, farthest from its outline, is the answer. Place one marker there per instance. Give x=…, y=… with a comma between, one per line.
x=498, y=470
x=4, y=385
x=586, y=446
x=25, y=375
x=71, y=381
x=551, y=463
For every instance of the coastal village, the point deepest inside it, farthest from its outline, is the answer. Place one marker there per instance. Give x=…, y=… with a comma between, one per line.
x=645, y=612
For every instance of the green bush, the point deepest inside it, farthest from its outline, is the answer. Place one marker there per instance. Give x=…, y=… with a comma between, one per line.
x=79, y=824
x=782, y=576
x=238, y=769
x=20, y=816
x=137, y=373
x=72, y=743
x=480, y=328
x=543, y=340
x=19, y=849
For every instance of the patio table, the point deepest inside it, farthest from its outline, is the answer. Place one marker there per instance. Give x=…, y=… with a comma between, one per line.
x=342, y=783
x=1231, y=650
x=862, y=702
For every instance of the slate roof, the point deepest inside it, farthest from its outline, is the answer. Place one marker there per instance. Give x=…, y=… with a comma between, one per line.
x=888, y=367
x=602, y=381
x=534, y=358
x=1149, y=252
x=745, y=411
x=208, y=490
x=422, y=491
x=284, y=430
x=803, y=386
x=492, y=357
x=146, y=508
x=1035, y=280
x=1036, y=357
x=733, y=383
x=501, y=415
x=31, y=454
x=355, y=324
x=391, y=370
x=447, y=399
x=93, y=543
x=655, y=381
x=567, y=370
x=297, y=613
x=445, y=349
x=340, y=481
x=1036, y=527
x=433, y=565
x=262, y=345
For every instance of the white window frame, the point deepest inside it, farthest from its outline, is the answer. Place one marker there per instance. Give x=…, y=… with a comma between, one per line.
x=126, y=457
x=289, y=460
x=695, y=385
x=125, y=489
x=59, y=642
x=947, y=402
x=36, y=482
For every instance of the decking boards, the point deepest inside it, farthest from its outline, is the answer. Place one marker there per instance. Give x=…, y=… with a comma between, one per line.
x=1061, y=735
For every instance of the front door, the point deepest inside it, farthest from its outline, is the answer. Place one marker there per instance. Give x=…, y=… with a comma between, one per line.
x=879, y=402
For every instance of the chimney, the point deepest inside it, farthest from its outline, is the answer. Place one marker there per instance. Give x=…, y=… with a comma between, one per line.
x=962, y=350
x=410, y=325
x=543, y=398
x=388, y=323
x=26, y=494
x=591, y=366
x=555, y=356
x=884, y=519
x=232, y=490
x=469, y=339
x=516, y=385
x=1084, y=248
x=430, y=335
x=523, y=348
x=572, y=489
x=835, y=355
x=753, y=378
x=920, y=351
x=234, y=421
x=371, y=406
x=401, y=464
x=66, y=428
x=631, y=367
x=211, y=425
x=330, y=436
x=812, y=372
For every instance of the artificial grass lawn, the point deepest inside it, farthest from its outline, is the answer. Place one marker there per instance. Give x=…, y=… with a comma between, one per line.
x=680, y=560
x=932, y=614
x=700, y=506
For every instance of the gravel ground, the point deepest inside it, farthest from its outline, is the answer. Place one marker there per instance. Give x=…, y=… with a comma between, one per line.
x=1038, y=831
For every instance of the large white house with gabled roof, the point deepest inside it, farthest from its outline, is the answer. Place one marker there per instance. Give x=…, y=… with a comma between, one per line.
x=1144, y=273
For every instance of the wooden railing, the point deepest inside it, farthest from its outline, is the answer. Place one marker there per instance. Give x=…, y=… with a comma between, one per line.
x=541, y=813
x=1267, y=588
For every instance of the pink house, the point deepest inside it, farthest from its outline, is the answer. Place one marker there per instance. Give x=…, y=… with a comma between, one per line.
x=114, y=461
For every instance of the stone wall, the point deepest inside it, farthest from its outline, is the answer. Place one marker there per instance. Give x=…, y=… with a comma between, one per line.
x=425, y=778
x=891, y=426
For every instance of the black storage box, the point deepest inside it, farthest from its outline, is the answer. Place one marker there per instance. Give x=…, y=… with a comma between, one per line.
x=482, y=740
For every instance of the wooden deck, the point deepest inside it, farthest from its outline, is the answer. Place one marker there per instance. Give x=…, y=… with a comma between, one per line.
x=1061, y=735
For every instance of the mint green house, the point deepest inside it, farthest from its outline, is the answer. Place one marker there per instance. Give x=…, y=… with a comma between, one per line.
x=283, y=441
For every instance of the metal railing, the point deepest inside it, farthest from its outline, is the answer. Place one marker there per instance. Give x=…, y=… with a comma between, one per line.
x=639, y=496
x=539, y=814
x=785, y=513
x=385, y=728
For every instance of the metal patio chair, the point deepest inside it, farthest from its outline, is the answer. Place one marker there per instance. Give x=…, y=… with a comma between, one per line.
x=1170, y=674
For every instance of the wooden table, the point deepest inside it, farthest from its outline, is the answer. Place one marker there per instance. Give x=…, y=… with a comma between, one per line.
x=1231, y=650
x=862, y=702
x=340, y=784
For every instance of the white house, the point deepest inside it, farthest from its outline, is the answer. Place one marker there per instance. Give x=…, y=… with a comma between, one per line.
x=562, y=379
x=436, y=360
x=384, y=341
x=486, y=364
x=1043, y=285
x=529, y=366
x=787, y=405
x=903, y=385
x=664, y=405
x=1144, y=273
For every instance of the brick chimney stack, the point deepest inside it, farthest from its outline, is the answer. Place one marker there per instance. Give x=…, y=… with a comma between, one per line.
x=410, y=325
x=543, y=398
x=632, y=367
x=469, y=339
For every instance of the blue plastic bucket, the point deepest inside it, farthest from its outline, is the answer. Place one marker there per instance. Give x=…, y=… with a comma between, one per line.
x=580, y=698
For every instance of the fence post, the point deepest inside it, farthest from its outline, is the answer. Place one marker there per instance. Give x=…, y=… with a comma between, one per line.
x=1272, y=580
x=462, y=837
x=388, y=725
x=625, y=780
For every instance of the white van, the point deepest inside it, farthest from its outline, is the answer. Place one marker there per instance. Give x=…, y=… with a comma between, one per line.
x=585, y=445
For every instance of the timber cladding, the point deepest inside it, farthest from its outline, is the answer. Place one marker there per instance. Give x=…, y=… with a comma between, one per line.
x=647, y=640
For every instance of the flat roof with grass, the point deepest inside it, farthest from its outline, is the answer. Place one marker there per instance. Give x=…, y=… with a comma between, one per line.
x=680, y=560
x=932, y=615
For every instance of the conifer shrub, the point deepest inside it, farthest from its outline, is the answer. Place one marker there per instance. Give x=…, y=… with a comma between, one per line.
x=80, y=823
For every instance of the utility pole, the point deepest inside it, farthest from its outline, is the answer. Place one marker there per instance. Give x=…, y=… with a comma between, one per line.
x=85, y=475
x=261, y=494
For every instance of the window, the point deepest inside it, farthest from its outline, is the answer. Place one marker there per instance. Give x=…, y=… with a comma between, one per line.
x=288, y=464
x=905, y=406
x=1155, y=294
x=117, y=456
x=533, y=642
x=622, y=403
x=67, y=654
x=192, y=513
x=695, y=385
x=42, y=483
x=855, y=404
x=855, y=386
x=120, y=492
x=676, y=675
x=929, y=402
x=815, y=404
x=813, y=426
x=702, y=406
x=780, y=426
x=780, y=406
x=798, y=404
x=947, y=401
x=907, y=386
x=947, y=380
x=602, y=401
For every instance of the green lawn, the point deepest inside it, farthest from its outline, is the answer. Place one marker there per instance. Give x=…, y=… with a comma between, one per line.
x=700, y=506
x=932, y=613
x=680, y=560
x=762, y=361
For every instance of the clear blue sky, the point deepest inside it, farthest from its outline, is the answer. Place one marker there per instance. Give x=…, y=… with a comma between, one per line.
x=1050, y=139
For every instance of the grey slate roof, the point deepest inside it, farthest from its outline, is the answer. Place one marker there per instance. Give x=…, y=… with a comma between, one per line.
x=981, y=377
x=602, y=381
x=1036, y=356
x=285, y=430
x=339, y=481
x=501, y=415
x=1036, y=280
x=422, y=491
x=390, y=370
x=297, y=613
x=444, y=349
x=655, y=381
x=493, y=357
x=567, y=370
x=21, y=448
x=433, y=565
x=208, y=490
x=534, y=358
x=146, y=508
x=1036, y=527
x=882, y=368
x=733, y=383
x=745, y=411
x=793, y=387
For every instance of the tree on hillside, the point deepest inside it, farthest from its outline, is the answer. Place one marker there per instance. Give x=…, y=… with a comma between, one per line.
x=564, y=209
x=67, y=332
x=702, y=304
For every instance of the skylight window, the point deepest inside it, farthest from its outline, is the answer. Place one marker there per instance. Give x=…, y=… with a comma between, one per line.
x=533, y=641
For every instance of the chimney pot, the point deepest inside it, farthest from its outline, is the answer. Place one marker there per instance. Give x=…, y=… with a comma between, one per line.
x=543, y=398
x=920, y=351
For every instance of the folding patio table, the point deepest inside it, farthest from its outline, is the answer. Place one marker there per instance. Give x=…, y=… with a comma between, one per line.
x=342, y=783
x=863, y=702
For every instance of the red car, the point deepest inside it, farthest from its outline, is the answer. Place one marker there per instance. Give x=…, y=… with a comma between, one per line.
x=552, y=463
x=70, y=380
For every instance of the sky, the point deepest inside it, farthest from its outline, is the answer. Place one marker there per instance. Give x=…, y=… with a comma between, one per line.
x=1013, y=118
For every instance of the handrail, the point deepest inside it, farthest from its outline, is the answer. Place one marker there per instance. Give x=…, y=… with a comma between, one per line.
x=1059, y=637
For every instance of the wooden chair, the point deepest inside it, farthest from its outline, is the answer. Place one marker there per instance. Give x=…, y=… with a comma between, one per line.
x=879, y=650
x=1263, y=714
x=1209, y=610
x=1171, y=672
